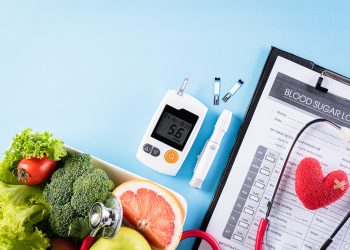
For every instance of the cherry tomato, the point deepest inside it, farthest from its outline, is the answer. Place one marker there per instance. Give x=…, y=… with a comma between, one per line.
x=34, y=171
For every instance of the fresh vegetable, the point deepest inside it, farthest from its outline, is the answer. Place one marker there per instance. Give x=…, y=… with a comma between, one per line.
x=60, y=190
x=35, y=171
x=61, y=217
x=88, y=189
x=71, y=192
x=22, y=208
x=28, y=144
x=80, y=227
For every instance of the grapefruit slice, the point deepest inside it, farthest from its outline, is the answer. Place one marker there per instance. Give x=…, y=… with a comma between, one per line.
x=152, y=210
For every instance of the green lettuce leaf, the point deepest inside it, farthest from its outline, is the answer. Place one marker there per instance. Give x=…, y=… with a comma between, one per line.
x=21, y=208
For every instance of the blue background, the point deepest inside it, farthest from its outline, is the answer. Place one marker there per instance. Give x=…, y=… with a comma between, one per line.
x=93, y=72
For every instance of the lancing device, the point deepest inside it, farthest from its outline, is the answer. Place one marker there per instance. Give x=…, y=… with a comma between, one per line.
x=207, y=156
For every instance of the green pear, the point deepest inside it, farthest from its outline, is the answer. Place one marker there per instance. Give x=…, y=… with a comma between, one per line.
x=126, y=239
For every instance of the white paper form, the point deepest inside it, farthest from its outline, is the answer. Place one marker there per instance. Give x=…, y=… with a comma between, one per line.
x=288, y=102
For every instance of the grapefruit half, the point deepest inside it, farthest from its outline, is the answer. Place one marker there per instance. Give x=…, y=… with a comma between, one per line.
x=152, y=210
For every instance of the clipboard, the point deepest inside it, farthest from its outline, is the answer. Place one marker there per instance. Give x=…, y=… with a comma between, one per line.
x=273, y=55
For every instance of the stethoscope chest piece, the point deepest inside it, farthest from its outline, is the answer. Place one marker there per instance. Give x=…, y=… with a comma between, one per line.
x=108, y=216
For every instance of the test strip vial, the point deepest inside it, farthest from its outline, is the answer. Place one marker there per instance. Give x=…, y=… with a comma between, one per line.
x=217, y=84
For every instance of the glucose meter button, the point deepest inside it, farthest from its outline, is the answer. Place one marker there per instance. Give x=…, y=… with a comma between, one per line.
x=155, y=152
x=171, y=156
x=147, y=148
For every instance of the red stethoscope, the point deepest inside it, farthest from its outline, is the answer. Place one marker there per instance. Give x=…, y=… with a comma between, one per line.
x=107, y=219
x=265, y=221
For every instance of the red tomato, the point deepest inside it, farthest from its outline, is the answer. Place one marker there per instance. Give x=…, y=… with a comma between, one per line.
x=34, y=171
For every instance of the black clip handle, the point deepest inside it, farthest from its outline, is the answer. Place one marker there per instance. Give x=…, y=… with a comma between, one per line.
x=332, y=75
x=319, y=85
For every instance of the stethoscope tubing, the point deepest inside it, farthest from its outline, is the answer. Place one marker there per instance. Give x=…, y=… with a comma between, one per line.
x=202, y=235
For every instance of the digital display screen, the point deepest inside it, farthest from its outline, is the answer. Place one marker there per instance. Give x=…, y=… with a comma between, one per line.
x=174, y=127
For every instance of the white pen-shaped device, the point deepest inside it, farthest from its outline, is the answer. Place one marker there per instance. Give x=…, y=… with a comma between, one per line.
x=207, y=156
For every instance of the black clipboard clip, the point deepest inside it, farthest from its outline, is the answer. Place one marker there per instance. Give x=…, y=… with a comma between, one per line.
x=333, y=76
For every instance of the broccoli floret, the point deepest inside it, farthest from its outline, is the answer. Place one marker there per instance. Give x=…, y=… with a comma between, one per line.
x=90, y=188
x=59, y=191
x=58, y=173
x=60, y=219
x=78, y=165
x=72, y=191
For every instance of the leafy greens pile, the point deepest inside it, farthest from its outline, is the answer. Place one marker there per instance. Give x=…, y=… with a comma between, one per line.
x=21, y=208
x=28, y=213
x=28, y=144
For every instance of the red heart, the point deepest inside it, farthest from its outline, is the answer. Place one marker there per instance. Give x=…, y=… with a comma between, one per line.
x=316, y=191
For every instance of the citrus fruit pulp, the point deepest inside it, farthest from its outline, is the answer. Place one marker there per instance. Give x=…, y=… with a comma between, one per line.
x=153, y=210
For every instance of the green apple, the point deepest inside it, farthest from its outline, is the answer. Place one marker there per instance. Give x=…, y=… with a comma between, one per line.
x=126, y=239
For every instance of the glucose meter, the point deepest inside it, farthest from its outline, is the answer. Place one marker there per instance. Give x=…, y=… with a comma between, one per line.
x=172, y=131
